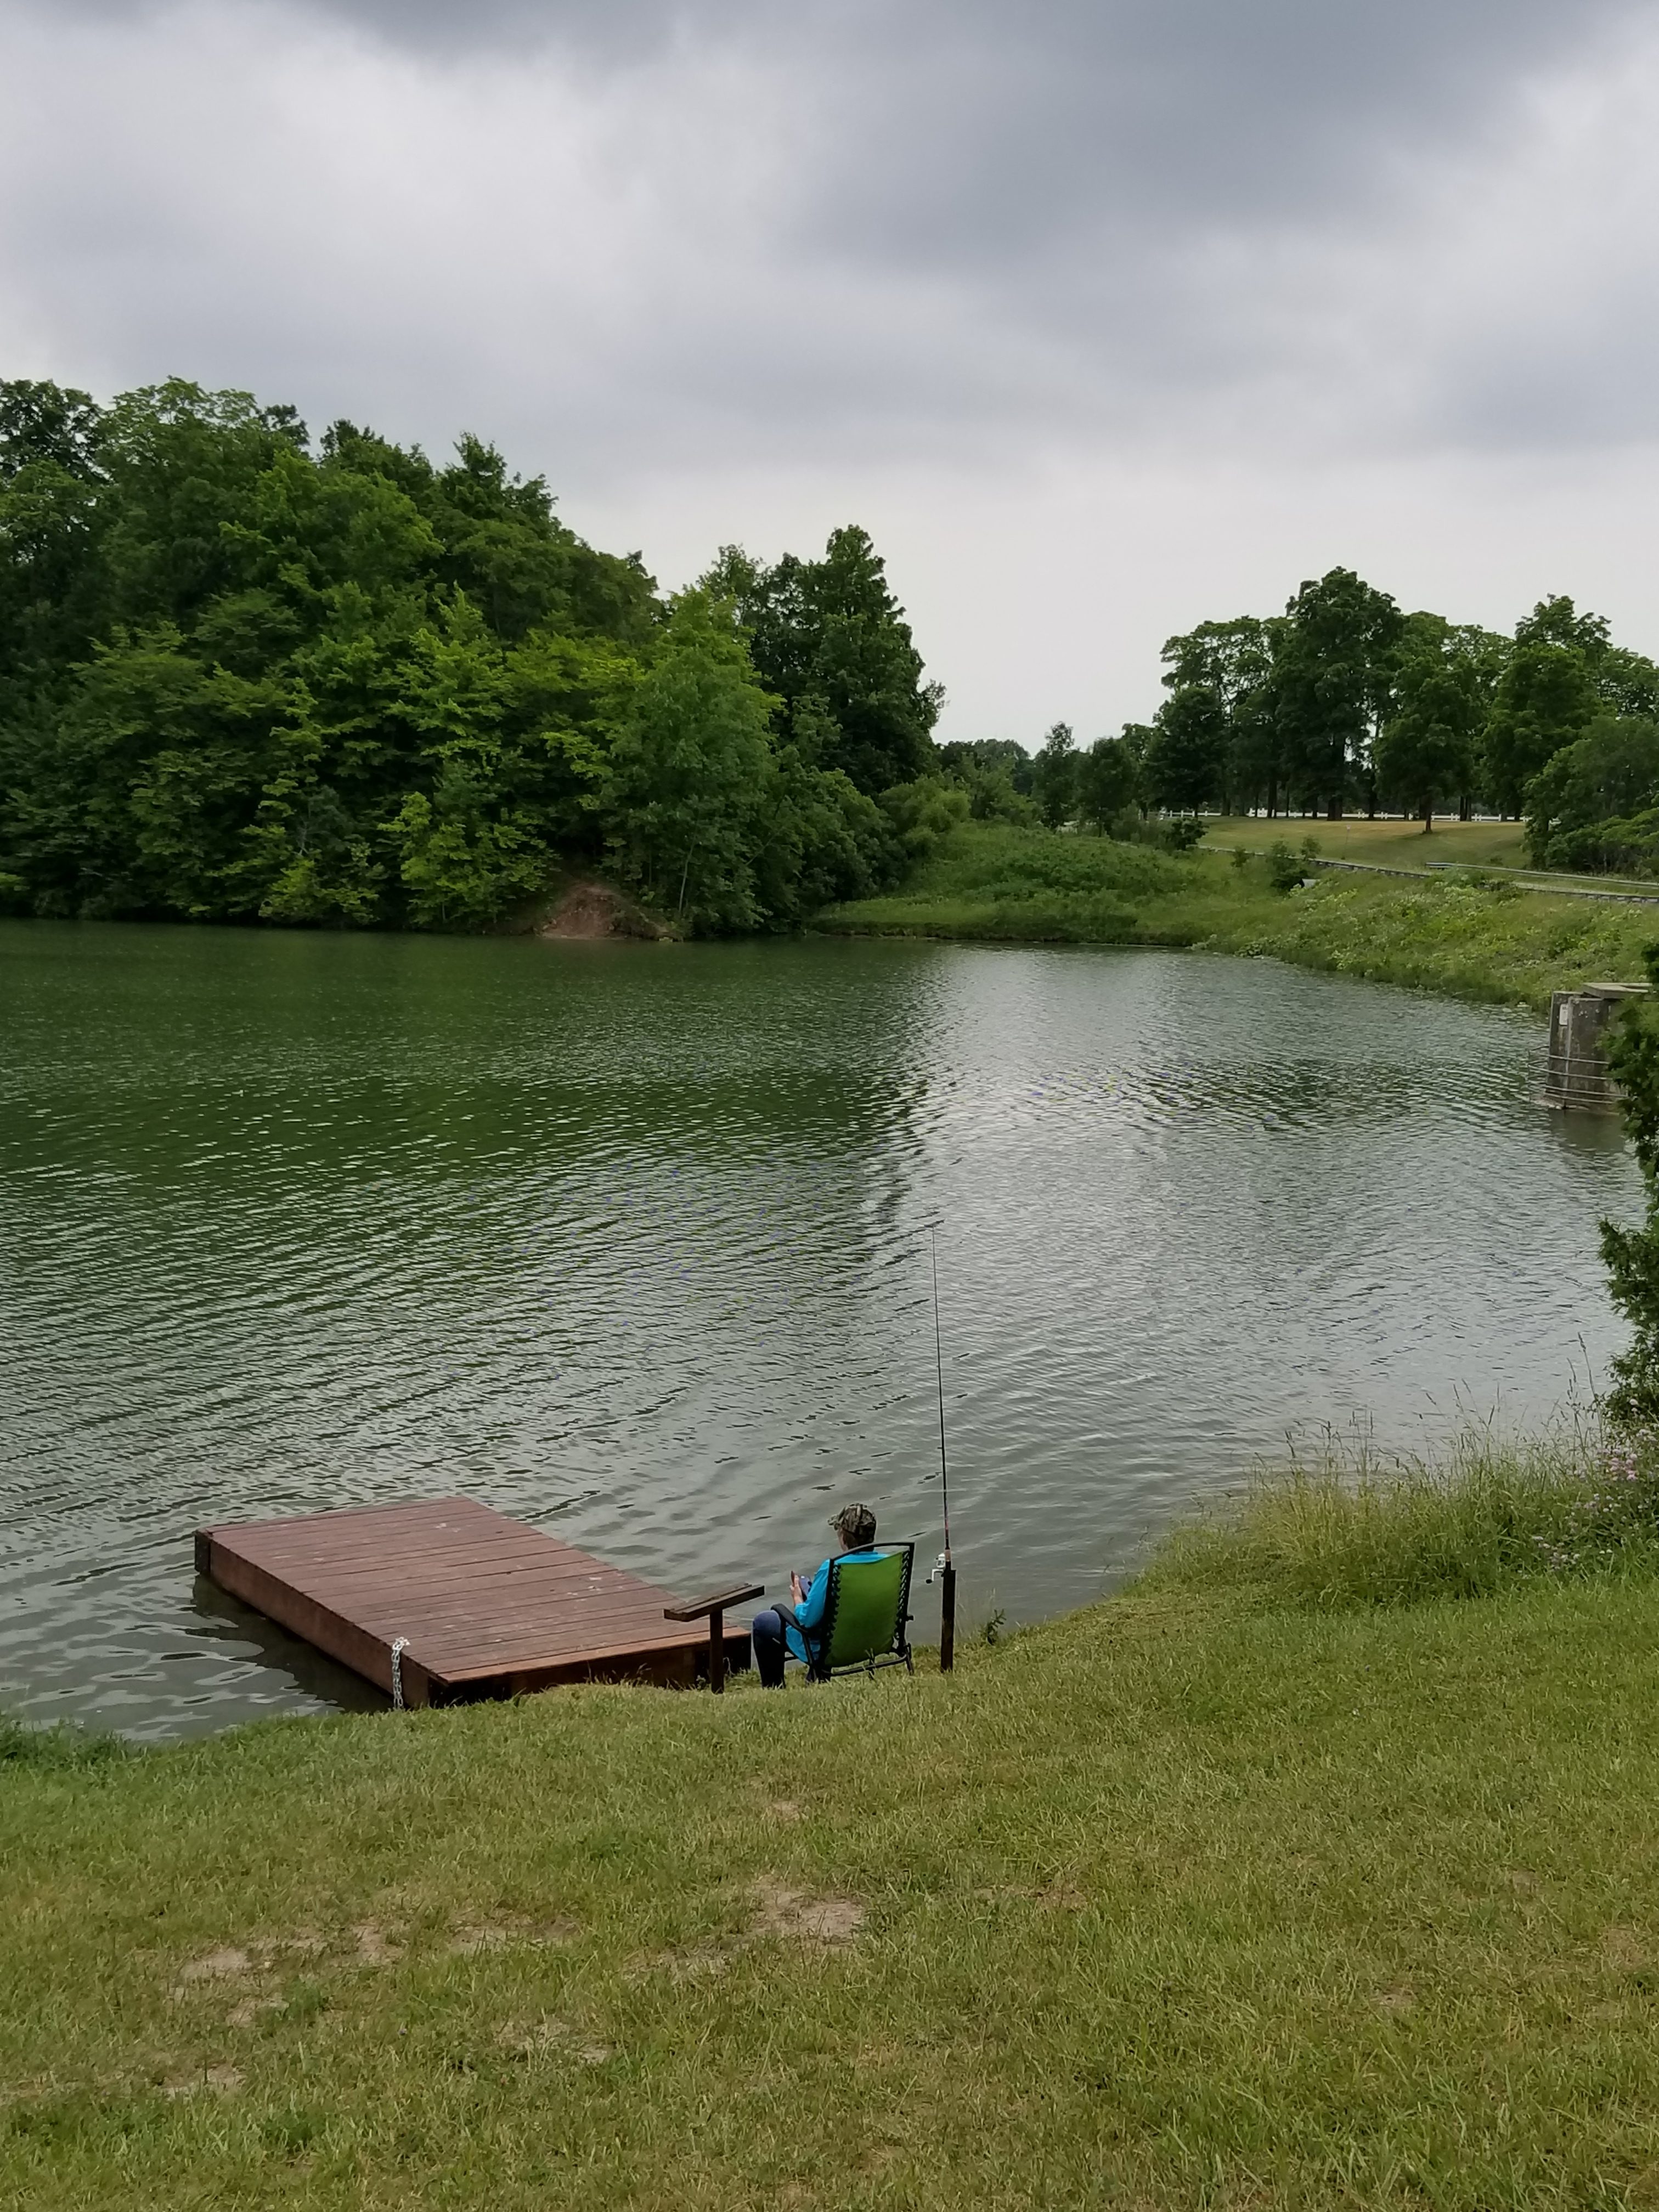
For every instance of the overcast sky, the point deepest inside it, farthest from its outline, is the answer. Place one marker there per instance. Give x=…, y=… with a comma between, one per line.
x=1101, y=318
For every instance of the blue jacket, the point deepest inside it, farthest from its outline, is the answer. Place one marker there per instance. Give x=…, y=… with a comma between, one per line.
x=810, y=1610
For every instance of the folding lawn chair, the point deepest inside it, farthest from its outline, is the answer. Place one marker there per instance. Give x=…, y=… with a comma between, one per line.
x=866, y=1610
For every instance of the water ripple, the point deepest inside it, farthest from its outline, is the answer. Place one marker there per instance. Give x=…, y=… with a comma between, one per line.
x=627, y=1241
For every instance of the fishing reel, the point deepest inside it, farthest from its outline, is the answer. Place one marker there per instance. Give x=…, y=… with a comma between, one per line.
x=937, y=1568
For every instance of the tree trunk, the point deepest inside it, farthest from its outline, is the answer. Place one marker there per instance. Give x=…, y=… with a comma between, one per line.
x=1428, y=816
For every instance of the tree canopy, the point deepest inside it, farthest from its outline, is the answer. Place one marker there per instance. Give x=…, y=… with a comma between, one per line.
x=247, y=675
x=1344, y=700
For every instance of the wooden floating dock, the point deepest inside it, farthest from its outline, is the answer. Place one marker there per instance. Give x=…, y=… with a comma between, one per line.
x=485, y=1606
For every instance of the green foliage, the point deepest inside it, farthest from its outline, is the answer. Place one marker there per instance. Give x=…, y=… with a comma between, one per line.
x=1109, y=784
x=1424, y=753
x=997, y=774
x=1186, y=761
x=1350, y=1527
x=690, y=773
x=64, y=1748
x=831, y=645
x=1243, y=1893
x=1563, y=672
x=1487, y=943
x=1626, y=845
x=924, y=816
x=1285, y=866
x=1344, y=698
x=1330, y=684
x=242, y=678
x=1632, y=1255
x=1054, y=778
x=1580, y=804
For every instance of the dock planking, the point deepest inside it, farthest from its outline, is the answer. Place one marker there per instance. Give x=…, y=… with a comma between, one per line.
x=490, y=1607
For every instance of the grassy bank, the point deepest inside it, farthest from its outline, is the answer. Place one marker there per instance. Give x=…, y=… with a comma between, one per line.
x=1288, y=1878
x=1390, y=844
x=1468, y=939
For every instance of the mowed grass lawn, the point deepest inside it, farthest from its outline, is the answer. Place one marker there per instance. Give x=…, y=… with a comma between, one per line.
x=1197, y=1899
x=1393, y=844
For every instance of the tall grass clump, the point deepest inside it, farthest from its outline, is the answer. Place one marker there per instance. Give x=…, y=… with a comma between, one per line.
x=64, y=1747
x=1349, y=1526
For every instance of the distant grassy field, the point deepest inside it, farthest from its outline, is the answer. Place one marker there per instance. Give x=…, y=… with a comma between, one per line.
x=1387, y=844
x=1494, y=942
x=1318, y=1870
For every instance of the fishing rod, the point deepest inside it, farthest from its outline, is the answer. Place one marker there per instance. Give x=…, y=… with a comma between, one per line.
x=947, y=1603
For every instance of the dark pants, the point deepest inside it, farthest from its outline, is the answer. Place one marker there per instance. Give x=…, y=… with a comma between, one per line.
x=770, y=1650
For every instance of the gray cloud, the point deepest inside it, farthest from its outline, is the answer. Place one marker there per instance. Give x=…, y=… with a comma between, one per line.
x=670, y=250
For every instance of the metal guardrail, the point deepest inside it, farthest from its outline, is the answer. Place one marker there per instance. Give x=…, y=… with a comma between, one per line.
x=1550, y=891
x=1507, y=868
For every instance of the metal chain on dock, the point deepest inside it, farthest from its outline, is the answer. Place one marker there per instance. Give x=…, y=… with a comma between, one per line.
x=399, y=1645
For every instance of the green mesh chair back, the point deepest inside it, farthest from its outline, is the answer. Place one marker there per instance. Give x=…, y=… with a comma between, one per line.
x=867, y=1609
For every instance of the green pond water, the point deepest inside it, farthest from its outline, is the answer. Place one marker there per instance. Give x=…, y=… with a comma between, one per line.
x=630, y=1241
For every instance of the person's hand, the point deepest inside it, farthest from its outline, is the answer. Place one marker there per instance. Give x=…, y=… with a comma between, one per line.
x=797, y=1588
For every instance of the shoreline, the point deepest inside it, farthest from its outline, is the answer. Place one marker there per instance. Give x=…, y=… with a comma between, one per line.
x=1316, y=1862
x=1484, y=942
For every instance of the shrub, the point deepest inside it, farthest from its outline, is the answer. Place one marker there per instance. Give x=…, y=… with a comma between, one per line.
x=1286, y=866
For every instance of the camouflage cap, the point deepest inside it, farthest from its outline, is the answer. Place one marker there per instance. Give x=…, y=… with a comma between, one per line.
x=856, y=1525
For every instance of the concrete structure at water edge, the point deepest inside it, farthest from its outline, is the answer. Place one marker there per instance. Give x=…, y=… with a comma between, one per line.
x=1576, y=1070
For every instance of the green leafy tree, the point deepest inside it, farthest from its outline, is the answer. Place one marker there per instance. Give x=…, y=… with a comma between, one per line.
x=690, y=772
x=962, y=758
x=1557, y=621
x=831, y=644
x=1627, y=683
x=1578, y=802
x=1055, y=776
x=1108, y=783
x=997, y=774
x=1545, y=699
x=1632, y=1256
x=1234, y=662
x=1424, y=754
x=241, y=678
x=925, y=815
x=1186, y=761
x=821, y=840
x=1333, y=662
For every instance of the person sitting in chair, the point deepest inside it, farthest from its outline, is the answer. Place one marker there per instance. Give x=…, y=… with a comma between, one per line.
x=777, y=1639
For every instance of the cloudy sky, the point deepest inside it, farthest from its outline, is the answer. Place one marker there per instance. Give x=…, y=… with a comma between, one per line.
x=1102, y=315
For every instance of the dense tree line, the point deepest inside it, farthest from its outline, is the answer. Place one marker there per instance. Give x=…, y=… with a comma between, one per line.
x=247, y=675
x=1344, y=702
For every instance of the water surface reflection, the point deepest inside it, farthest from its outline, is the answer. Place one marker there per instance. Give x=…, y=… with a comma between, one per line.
x=624, y=1239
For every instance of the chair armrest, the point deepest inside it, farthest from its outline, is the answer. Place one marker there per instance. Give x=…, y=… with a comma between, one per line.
x=736, y=1595
x=791, y=1619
